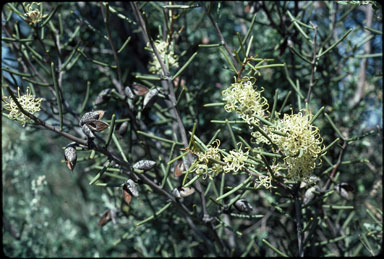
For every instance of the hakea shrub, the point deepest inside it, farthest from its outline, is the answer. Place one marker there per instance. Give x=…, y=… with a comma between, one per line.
x=293, y=137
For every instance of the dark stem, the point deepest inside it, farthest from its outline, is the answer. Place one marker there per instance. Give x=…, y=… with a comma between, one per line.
x=222, y=41
x=311, y=81
x=299, y=224
x=106, y=21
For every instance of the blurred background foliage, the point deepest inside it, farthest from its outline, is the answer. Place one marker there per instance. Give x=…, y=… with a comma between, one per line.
x=51, y=212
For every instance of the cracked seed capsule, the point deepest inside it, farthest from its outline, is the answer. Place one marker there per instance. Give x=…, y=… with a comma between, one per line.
x=91, y=116
x=186, y=191
x=70, y=156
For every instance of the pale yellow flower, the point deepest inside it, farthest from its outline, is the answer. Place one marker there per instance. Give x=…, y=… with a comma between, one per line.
x=161, y=47
x=33, y=15
x=207, y=167
x=302, y=145
x=246, y=101
x=235, y=160
x=263, y=180
x=29, y=104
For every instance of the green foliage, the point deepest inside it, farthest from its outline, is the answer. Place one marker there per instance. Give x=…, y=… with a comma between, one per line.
x=267, y=75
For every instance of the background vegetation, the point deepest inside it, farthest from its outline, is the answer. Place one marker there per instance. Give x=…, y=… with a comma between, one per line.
x=49, y=211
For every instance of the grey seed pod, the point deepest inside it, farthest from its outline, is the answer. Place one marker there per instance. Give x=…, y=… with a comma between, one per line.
x=70, y=156
x=123, y=128
x=309, y=194
x=91, y=116
x=344, y=189
x=131, y=186
x=128, y=92
x=186, y=191
x=87, y=131
x=150, y=97
x=243, y=205
x=176, y=193
x=144, y=164
x=103, y=97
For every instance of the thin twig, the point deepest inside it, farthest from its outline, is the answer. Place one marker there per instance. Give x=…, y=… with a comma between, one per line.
x=338, y=163
x=106, y=21
x=311, y=81
x=222, y=41
x=298, y=226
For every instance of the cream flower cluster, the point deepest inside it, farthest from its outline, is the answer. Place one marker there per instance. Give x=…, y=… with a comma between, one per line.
x=205, y=166
x=301, y=146
x=235, y=160
x=210, y=163
x=263, y=180
x=247, y=102
x=33, y=15
x=161, y=46
x=29, y=104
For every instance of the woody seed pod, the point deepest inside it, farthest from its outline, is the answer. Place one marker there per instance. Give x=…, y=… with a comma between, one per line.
x=179, y=168
x=91, y=116
x=243, y=205
x=70, y=156
x=123, y=127
x=176, y=193
x=144, y=164
x=309, y=194
x=344, y=189
x=128, y=92
x=131, y=187
x=150, y=98
x=97, y=125
x=87, y=131
x=127, y=196
x=139, y=89
x=186, y=191
x=105, y=218
x=103, y=97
